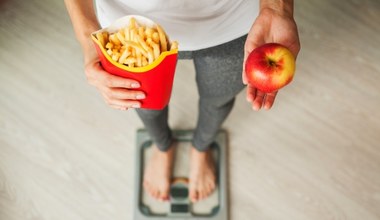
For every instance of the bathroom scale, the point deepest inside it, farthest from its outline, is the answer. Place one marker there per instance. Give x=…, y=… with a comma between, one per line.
x=179, y=206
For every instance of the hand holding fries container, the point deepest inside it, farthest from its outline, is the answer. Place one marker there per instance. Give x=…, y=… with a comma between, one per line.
x=156, y=79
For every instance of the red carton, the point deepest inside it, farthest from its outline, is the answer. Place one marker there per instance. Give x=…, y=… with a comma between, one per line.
x=156, y=79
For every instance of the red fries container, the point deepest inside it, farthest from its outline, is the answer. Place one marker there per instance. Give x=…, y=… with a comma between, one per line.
x=156, y=79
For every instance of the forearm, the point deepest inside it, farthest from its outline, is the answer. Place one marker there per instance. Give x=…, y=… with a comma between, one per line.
x=283, y=7
x=84, y=20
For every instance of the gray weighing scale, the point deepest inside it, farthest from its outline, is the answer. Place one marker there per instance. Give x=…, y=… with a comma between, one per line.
x=180, y=207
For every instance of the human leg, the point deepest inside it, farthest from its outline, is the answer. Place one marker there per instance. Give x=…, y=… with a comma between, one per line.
x=158, y=172
x=156, y=123
x=219, y=80
x=218, y=75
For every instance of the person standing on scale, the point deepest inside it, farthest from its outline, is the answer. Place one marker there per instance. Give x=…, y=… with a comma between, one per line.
x=218, y=35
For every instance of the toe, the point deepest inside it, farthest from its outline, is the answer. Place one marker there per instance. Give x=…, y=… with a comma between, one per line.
x=151, y=192
x=146, y=185
x=164, y=195
x=159, y=195
x=155, y=193
x=211, y=186
x=193, y=194
x=202, y=194
x=207, y=191
x=148, y=188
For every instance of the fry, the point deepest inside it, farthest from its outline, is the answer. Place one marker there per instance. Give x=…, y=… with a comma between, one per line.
x=150, y=56
x=109, y=45
x=124, y=56
x=156, y=37
x=156, y=50
x=100, y=38
x=141, y=32
x=135, y=45
x=133, y=34
x=113, y=39
x=138, y=59
x=115, y=56
x=174, y=45
x=142, y=43
x=130, y=60
x=127, y=34
x=120, y=37
x=148, y=32
x=132, y=23
x=133, y=52
x=144, y=61
x=162, y=35
x=105, y=36
x=149, y=41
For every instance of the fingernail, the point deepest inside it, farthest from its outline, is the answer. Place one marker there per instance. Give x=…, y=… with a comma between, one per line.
x=140, y=96
x=135, y=85
x=267, y=107
x=136, y=106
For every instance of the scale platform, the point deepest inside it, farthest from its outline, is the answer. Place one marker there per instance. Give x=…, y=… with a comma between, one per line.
x=180, y=207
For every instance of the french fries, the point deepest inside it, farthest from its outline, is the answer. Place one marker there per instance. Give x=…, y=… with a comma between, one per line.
x=136, y=45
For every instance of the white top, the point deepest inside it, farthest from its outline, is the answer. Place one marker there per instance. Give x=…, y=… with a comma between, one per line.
x=195, y=24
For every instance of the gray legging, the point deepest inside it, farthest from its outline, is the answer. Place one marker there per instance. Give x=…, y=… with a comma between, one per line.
x=218, y=76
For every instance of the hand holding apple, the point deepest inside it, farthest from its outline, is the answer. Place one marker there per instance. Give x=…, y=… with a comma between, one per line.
x=275, y=23
x=270, y=67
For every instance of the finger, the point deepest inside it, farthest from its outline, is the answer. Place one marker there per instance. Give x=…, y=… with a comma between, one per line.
x=243, y=76
x=251, y=93
x=248, y=47
x=120, y=93
x=118, y=82
x=246, y=53
x=254, y=39
x=98, y=77
x=269, y=100
x=122, y=103
x=258, y=101
x=119, y=107
x=295, y=49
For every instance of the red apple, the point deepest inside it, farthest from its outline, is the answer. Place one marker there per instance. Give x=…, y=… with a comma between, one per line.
x=270, y=67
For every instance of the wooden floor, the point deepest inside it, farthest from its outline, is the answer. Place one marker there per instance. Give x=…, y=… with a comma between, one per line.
x=64, y=155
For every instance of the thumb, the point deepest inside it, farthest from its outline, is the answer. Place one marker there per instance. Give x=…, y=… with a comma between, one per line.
x=250, y=44
x=248, y=48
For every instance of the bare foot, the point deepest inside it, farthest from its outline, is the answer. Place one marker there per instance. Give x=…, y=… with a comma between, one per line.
x=202, y=175
x=158, y=173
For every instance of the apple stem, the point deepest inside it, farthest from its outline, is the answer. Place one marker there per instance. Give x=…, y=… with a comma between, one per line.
x=272, y=63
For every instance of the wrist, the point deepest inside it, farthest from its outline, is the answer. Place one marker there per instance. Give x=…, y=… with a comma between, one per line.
x=89, y=53
x=281, y=7
x=84, y=35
